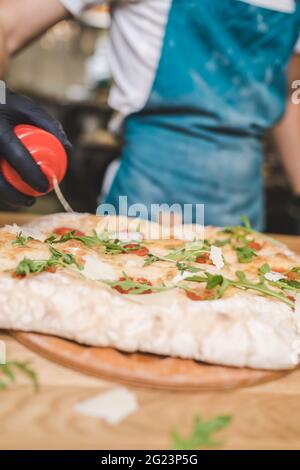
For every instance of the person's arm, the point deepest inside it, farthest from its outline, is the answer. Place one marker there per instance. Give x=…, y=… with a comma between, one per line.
x=21, y=21
x=287, y=133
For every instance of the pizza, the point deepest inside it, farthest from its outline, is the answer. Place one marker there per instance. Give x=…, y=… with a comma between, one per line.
x=226, y=296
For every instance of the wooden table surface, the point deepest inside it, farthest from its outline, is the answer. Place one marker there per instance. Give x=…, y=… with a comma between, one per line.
x=264, y=417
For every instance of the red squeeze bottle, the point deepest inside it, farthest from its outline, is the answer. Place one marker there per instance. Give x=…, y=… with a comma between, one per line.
x=46, y=150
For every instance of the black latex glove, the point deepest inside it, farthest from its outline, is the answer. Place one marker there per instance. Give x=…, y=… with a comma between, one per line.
x=22, y=110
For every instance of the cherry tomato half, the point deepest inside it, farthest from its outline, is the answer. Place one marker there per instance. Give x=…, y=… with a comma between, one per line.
x=64, y=230
x=136, y=249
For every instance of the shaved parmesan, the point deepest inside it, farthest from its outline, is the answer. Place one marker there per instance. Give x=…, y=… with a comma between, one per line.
x=274, y=277
x=61, y=197
x=113, y=406
x=26, y=232
x=97, y=270
x=216, y=256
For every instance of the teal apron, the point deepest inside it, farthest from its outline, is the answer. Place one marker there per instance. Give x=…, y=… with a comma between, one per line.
x=220, y=85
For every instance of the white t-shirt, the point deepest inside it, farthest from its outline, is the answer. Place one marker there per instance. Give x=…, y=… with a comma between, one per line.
x=137, y=33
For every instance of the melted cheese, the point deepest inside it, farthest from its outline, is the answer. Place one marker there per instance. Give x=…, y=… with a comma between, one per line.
x=96, y=270
x=26, y=232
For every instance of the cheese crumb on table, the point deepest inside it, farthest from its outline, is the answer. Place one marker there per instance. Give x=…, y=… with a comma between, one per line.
x=113, y=406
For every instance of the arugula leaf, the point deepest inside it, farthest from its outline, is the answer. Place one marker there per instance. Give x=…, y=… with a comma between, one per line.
x=196, y=278
x=150, y=259
x=51, y=239
x=25, y=368
x=220, y=243
x=202, y=434
x=29, y=266
x=8, y=372
x=62, y=259
x=289, y=284
x=132, y=287
x=240, y=232
x=265, y=268
x=240, y=283
x=244, y=284
x=296, y=269
x=112, y=246
x=85, y=239
x=183, y=267
x=227, y=229
x=223, y=288
x=292, y=283
x=213, y=281
x=246, y=222
x=88, y=240
x=116, y=247
x=241, y=276
x=21, y=240
x=245, y=254
x=190, y=252
x=58, y=259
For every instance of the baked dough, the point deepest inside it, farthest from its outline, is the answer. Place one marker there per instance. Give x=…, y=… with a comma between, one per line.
x=243, y=328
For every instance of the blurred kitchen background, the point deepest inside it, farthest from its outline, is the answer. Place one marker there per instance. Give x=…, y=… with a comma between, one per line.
x=67, y=71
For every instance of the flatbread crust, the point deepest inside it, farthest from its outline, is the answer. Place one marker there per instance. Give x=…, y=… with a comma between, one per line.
x=242, y=329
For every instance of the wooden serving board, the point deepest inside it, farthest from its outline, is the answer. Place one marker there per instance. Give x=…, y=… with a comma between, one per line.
x=145, y=370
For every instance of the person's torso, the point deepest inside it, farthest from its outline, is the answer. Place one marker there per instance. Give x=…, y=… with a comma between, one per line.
x=225, y=60
x=200, y=82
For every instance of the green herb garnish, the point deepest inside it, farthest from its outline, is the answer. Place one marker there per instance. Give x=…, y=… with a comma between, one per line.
x=265, y=268
x=57, y=260
x=132, y=287
x=202, y=434
x=241, y=232
x=245, y=254
x=150, y=259
x=88, y=240
x=214, y=281
x=183, y=267
x=292, y=283
x=246, y=222
x=190, y=252
x=111, y=246
x=223, y=242
x=21, y=240
x=240, y=283
x=240, y=240
x=8, y=373
x=284, y=284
